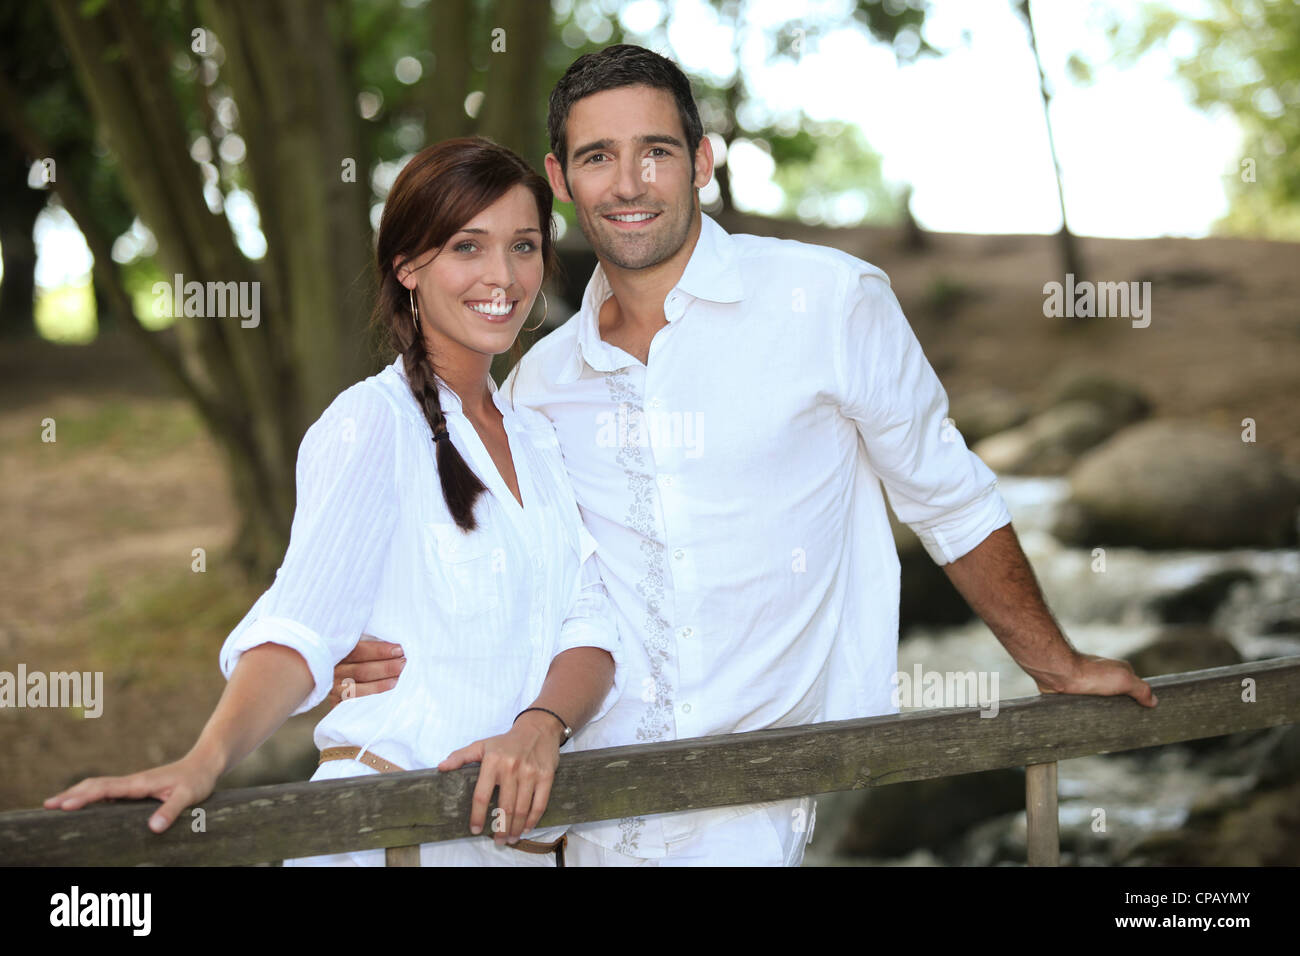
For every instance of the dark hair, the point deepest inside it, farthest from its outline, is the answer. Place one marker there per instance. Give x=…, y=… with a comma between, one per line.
x=441, y=189
x=612, y=68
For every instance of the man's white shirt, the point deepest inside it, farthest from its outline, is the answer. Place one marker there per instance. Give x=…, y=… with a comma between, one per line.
x=734, y=485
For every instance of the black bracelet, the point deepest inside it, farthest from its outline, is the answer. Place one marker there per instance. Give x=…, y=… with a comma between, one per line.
x=568, y=731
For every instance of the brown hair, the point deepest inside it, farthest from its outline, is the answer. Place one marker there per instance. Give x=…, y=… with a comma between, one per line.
x=441, y=189
x=613, y=68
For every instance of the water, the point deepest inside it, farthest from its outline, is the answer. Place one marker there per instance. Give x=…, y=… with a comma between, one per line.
x=1104, y=612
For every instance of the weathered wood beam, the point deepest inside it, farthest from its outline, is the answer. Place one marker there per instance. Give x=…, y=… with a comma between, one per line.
x=402, y=809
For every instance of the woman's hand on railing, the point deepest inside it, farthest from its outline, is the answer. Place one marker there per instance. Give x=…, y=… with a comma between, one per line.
x=522, y=764
x=178, y=785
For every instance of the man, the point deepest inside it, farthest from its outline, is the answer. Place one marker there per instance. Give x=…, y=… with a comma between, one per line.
x=728, y=408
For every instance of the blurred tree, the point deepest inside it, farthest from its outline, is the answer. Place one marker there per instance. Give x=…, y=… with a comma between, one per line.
x=1071, y=259
x=49, y=120
x=808, y=155
x=248, y=137
x=1245, y=55
x=19, y=206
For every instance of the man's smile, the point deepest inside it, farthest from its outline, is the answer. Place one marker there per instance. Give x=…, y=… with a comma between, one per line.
x=631, y=220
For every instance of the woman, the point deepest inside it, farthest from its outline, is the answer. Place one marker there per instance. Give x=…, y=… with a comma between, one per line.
x=431, y=511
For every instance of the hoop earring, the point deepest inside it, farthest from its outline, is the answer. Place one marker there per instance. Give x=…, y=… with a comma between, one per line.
x=545, y=309
x=415, y=313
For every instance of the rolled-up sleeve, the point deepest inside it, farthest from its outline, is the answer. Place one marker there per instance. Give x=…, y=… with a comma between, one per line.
x=590, y=621
x=342, y=529
x=935, y=484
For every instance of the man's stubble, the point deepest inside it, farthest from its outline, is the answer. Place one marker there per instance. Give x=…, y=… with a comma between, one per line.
x=663, y=247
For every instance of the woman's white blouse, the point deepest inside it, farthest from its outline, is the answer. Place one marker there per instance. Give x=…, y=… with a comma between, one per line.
x=374, y=550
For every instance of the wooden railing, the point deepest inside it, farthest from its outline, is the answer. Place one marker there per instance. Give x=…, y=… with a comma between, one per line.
x=400, y=811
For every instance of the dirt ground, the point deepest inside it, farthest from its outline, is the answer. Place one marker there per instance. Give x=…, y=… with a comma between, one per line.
x=99, y=526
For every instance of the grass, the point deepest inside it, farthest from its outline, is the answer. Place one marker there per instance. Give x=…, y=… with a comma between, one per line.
x=944, y=296
x=134, y=430
x=163, y=628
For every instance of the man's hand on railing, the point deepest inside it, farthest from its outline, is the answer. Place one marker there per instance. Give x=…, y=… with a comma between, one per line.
x=998, y=583
x=522, y=763
x=178, y=785
x=371, y=668
x=1102, y=676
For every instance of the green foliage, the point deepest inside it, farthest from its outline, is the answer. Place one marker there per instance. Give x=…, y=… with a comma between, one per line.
x=131, y=430
x=158, y=630
x=825, y=166
x=67, y=314
x=1246, y=57
x=827, y=171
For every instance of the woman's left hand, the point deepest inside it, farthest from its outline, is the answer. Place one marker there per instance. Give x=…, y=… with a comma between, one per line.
x=522, y=763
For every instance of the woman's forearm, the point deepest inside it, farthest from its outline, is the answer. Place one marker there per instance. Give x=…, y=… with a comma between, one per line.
x=267, y=685
x=575, y=685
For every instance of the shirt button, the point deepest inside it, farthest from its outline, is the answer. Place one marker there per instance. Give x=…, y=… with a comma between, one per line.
x=655, y=402
x=666, y=480
x=679, y=554
x=686, y=708
x=686, y=632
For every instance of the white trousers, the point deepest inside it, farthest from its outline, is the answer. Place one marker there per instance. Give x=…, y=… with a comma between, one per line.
x=771, y=834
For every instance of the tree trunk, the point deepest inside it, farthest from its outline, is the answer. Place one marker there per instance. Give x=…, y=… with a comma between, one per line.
x=230, y=370
x=514, y=110
x=1071, y=260
x=451, y=38
x=19, y=207
x=259, y=387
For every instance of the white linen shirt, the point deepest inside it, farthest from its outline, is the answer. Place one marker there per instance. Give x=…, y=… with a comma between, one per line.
x=373, y=549
x=734, y=484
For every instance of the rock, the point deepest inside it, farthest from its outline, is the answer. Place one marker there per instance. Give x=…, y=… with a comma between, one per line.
x=1184, y=648
x=1122, y=402
x=986, y=412
x=1050, y=442
x=897, y=819
x=1279, y=764
x=1283, y=625
x=1189, y=647
x=1269, y=757
x=1257, y=828
x=1170, y=484
x=1197, y=603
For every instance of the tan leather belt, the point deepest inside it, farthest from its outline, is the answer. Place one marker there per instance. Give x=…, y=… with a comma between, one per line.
x=387, y=766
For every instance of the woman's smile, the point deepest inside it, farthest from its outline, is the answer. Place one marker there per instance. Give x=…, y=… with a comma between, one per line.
x=495, y=311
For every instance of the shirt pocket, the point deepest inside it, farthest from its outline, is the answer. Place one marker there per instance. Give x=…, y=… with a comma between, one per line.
x=471, y=565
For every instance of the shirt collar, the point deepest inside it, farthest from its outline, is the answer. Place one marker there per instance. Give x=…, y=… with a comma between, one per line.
x=711, y=273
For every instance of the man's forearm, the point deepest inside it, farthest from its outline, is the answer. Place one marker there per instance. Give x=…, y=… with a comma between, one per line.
x=997, y=581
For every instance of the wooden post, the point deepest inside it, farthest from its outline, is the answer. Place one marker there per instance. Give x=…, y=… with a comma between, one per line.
x=1043, y=833
x=402, y=855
